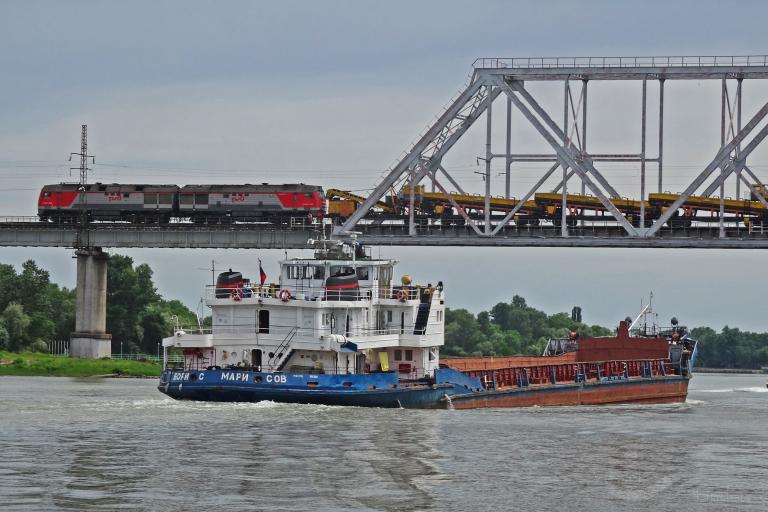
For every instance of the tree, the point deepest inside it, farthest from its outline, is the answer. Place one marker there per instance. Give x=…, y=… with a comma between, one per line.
x=512, y=328
x=576, y=314
x=154, y=327
x=15, y=322
x=129, y=292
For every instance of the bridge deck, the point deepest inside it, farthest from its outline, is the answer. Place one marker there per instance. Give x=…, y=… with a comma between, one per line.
x=37, y=234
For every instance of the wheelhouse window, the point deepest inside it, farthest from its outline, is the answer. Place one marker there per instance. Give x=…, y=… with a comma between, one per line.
x=150, y=198
x=341, y=270
x=362, y=273
x=185, y=198
x=409, y=355
x=398, y=355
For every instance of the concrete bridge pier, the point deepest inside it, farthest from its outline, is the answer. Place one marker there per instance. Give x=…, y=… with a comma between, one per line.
x=90, y=339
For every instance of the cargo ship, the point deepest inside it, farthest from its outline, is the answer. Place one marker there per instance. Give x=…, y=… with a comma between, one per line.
x=338, y=329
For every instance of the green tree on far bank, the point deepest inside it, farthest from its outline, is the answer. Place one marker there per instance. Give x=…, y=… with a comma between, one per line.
x=512, y=328
x=731, y=348
x=137, y=315
x=34, y=311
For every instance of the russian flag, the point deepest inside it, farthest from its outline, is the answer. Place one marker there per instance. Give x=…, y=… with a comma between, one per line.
x=262, y=274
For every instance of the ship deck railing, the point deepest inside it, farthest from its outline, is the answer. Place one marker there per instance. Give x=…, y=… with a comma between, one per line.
x=312, y=293
x=249, y=329
x=547, y=375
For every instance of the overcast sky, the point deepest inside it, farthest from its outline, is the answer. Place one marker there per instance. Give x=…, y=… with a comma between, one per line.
x=331, y=93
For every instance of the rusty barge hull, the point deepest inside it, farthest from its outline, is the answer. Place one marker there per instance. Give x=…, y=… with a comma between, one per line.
x=657, y=390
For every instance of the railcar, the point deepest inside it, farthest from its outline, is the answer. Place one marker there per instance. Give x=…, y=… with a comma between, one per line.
x=65, y=202
x=250, y=203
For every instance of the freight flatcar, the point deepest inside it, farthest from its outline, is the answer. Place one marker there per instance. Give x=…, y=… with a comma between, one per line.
x=200, y=203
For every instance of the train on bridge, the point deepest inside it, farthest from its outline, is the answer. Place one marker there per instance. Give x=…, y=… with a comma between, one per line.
x=273, y=203
x=65, y=202
x=546, y=207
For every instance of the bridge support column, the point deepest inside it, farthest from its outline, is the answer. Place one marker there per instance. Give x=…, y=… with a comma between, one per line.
x=90, y=339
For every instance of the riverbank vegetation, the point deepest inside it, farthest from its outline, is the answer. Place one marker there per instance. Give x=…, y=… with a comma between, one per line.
x=507, y=329
x=515, y=328
x=37, y=364
x=33, y=310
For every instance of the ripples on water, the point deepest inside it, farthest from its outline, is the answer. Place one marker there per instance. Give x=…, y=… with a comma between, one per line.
x=84, y=444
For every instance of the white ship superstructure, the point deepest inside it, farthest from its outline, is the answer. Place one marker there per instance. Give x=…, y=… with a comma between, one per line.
x=340, y=312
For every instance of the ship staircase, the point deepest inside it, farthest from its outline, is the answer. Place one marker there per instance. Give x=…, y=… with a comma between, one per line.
x=277, y=355
x=420, y=327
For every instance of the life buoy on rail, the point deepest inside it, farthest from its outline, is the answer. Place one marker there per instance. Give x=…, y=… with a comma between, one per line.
x=285, y=295
x=402, y=295
x=236, y=294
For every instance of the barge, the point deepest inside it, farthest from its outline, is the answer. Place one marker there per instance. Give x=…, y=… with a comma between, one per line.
x=336, y=329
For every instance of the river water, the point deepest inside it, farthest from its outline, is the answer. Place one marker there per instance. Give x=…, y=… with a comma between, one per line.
x=118, y=444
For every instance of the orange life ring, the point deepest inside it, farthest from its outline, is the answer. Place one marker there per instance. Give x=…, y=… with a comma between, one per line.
x=236, y=294
x=402, y=295
x=285, y=295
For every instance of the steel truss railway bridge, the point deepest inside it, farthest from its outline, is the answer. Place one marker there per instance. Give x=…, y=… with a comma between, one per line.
x=515, y=79
x=569, y=162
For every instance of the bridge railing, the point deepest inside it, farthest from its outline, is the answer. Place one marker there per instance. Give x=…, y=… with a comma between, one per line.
x=621, y=62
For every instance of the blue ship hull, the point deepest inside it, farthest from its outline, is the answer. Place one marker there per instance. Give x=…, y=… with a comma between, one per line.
x=366, y=390
x=449, y=389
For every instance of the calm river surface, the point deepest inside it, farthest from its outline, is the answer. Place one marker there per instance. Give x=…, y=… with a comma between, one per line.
x=114, y=444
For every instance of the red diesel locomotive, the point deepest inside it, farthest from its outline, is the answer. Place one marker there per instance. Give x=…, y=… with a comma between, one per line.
x=199, y=203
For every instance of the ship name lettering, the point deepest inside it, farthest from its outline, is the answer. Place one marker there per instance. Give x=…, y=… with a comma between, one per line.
x=277, y=379
x=234, y=376
x=180, y=376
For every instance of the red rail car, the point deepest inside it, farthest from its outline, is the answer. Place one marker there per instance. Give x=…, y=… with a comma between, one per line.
x=200, y=203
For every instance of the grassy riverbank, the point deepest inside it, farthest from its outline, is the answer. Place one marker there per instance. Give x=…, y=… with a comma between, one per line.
x=46, y=365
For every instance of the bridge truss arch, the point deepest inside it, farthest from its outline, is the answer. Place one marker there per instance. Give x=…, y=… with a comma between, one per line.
x=512, y=79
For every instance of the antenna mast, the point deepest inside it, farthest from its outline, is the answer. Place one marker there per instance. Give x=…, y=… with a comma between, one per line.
x=83, y=239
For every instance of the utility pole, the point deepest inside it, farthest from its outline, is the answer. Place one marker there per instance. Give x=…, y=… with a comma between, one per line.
x=83, y=239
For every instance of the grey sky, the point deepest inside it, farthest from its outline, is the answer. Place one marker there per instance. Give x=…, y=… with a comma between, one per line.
x=331, y=93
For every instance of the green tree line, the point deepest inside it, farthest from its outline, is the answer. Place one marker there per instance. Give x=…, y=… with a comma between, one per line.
x=509, y=329
x=515, y=328
x=34, y=311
